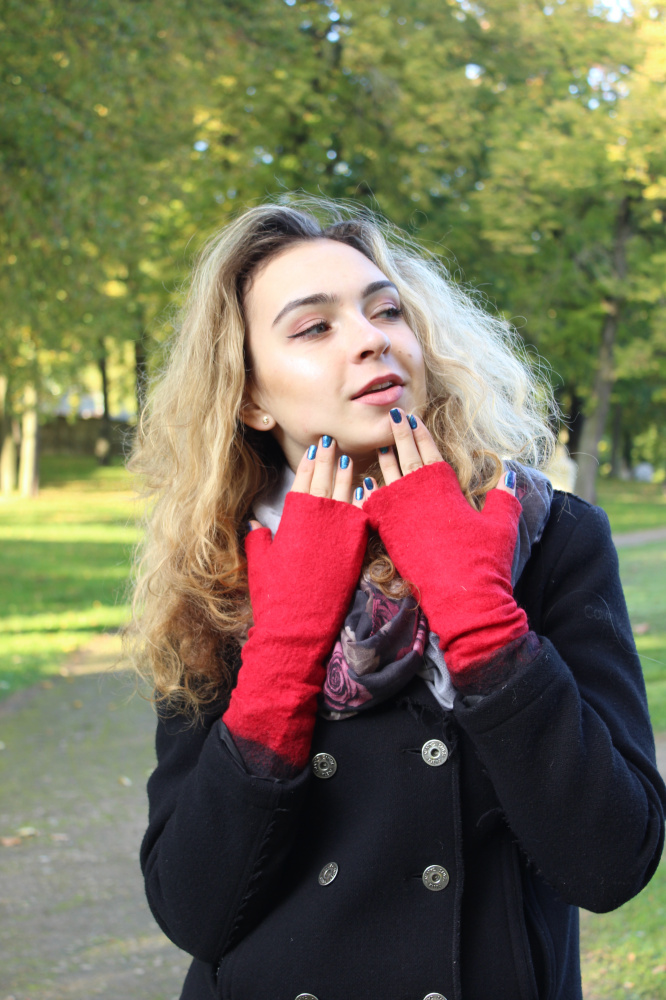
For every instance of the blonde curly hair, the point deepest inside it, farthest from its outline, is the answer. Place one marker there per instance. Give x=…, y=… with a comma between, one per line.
x=202, y=469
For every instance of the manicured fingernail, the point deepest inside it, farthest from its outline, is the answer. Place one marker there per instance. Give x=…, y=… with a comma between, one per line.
x=368, y=483
x=344, y=461
x=250, y=526
x=396, y=415
x=412, y=422
x=312, y=451
x=326, y=441
x=358, y=493
x=383, y=451
x=510, y=479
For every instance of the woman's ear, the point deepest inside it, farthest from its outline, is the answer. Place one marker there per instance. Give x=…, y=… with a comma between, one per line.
x=255, y=416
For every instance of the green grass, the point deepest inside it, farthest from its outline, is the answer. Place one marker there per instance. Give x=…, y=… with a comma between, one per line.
x=640, y=507
x=623, y=953
x=64, y=567
x=632, y=506
x=643, y=573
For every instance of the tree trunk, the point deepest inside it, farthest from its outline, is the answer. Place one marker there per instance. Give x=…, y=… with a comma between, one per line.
x=575, y=422
x=103, y=443
x=599, y=402
x=28, y=474
x=7, y=445
x=616, y=442
x=627, y=450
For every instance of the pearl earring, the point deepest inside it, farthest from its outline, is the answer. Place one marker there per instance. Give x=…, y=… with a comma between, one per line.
x=266, y=420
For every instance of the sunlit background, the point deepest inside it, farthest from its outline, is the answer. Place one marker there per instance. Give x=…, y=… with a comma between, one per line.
x=522, y=142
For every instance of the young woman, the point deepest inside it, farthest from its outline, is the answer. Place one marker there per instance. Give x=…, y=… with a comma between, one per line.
x=402, y=730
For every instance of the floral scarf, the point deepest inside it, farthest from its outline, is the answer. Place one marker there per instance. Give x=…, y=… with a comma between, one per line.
x=385, y=641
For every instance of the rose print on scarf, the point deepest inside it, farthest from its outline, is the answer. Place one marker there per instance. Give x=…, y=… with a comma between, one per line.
x=342, y=693
x=379, y=650
x=382, y=610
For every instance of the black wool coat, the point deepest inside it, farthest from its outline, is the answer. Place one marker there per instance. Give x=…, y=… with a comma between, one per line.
x=458, y=881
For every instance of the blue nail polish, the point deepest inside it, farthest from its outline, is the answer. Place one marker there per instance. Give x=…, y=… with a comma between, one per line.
x=344, y=461
x=396, y=416
x=312, y=451
x=412, y=422
x=510, y=479
x=368, y=483
x=383, y=451
x=326, y=441
x=358, y=493
x=249, y=527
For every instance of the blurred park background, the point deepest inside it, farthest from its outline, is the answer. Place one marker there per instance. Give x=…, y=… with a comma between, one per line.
x=524, y=142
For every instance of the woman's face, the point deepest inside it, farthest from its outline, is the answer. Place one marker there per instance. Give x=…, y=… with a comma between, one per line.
x=330, y=351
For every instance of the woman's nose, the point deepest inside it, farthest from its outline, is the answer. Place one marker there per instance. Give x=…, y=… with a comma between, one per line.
x=367, y=340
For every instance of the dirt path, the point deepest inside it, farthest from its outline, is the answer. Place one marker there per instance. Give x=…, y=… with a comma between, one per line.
x=630, y=538
x=74, y=923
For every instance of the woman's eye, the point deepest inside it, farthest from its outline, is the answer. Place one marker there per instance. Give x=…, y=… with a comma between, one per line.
x=391, y=312
x=312, y=331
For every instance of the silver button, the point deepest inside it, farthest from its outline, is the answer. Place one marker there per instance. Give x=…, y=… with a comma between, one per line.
x=434, y=752
x=428, y=996
x=435, y=878
x=311, y=996
x=328, y=873
x=324, y=765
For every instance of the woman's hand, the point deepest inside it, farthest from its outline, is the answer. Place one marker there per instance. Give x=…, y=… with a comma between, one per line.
x=324, y=472
x=458, y=559
x=300, y=582
x=414, y=448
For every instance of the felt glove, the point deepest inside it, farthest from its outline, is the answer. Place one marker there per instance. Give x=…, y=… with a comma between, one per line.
x=458, y=560
x=301, y=583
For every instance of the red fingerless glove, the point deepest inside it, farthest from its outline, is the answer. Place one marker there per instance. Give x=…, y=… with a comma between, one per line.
x=301, y=584
x=459, y=561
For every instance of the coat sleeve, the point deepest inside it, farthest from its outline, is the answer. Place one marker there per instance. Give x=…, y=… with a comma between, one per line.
x=567, y=743
x=217, y=837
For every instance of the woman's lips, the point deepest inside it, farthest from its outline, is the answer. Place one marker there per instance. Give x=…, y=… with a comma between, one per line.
x=385, y=397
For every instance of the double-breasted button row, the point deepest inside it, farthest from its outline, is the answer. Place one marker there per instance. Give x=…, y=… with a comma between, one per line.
x=434, y=753
x=434, y=876
x=428, y=996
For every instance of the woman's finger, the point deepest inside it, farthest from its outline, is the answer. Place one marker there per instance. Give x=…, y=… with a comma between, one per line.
x=342, y=488
x=428, y=450
x=253, y=525
x=405, y=445
x=324, y=468
x=361, y=493
x=388, y=463
x=305, y=471
x=508, y=483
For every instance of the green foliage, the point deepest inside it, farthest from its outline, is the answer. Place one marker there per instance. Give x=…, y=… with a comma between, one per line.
x=513, y=138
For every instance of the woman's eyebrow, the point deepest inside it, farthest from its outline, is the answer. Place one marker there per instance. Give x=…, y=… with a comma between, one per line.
x=323, y=298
